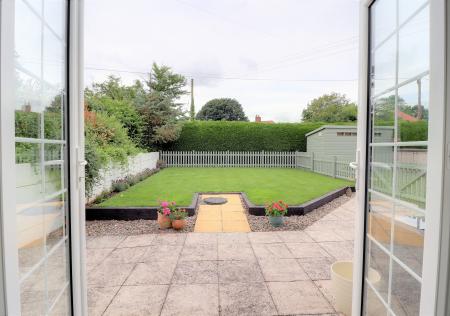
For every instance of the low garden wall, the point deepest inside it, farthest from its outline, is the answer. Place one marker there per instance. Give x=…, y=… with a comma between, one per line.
x=135, y=165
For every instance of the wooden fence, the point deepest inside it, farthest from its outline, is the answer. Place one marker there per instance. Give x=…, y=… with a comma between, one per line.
x=411, y=178
x=330, y=166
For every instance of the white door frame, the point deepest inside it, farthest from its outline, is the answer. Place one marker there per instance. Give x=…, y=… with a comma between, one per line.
x=76, y=153
x=431, y=302
x=10, y=257
x=9, y=267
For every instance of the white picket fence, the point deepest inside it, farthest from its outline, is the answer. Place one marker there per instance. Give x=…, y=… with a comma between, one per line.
x=330, y=165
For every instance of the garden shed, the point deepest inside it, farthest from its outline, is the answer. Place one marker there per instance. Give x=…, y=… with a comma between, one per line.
x=339, y=140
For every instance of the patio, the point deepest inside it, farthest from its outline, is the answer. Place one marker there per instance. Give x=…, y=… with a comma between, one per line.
x=257, y=273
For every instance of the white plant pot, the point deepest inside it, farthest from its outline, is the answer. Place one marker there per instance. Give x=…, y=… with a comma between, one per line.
x=342, y=283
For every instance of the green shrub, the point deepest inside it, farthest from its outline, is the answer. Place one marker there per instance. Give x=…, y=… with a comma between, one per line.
x=413, y=131
x=120, y=185
x=242, y=136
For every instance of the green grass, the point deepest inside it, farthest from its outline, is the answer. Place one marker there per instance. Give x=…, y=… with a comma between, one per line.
x=293, y=186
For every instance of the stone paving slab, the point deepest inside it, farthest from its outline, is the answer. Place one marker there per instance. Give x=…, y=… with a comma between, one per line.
x=267, y=273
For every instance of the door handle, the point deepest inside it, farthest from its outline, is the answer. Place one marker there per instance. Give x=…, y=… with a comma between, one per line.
x=353, y=165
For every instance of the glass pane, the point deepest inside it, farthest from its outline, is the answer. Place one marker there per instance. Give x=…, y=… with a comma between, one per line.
x=408, y=7
x=380, y=217
x=383, y=111
x=381, y=169
x=373, y=306
x=30, y=237
x=383, y=67
x=57, y=276
x=54, y=152
x=54, y=216
x=411, y=175
x=383, y=17
x=397, y=164
x=32, y=293
x=378, y=262
x=414, y=47
x=53, y=179
x=40, y=114
x=62, y=306
x=409, y=229
x=413, y=111
x=405, y=293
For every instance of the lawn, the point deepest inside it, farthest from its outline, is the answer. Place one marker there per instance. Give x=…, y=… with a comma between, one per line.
x=261, y=185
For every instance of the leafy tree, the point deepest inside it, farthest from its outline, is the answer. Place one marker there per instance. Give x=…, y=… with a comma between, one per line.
x=384, y=109
x=223, y=109
x=123, y=110
x=332, y=107
x=161, y=111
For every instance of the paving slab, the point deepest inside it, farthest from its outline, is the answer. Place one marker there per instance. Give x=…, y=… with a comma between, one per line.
x=317, y=268
x=219, y=273
x=233, y=271
x=297, y=297
x=246, y=299
x=99, y=299
x=196, y=272
x=192, y=299
x=138, y=300
x=282, y=270
x=236, y=251
x=137, y=241
x=158, y=272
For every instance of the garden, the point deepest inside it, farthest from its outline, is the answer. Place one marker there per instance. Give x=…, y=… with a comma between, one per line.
x=261, y=185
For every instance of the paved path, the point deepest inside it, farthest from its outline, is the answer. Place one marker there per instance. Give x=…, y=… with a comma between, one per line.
x=268, y=273
x=229, y=217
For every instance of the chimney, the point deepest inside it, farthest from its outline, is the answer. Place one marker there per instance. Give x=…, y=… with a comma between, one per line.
x=258, y=119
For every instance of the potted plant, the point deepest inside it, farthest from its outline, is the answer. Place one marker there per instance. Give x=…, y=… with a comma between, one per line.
x=164, y=211
x=178, y=218
x=275, y=211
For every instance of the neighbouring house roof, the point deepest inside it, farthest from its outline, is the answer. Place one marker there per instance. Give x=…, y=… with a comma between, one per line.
x=407, y=117
x=258, y=120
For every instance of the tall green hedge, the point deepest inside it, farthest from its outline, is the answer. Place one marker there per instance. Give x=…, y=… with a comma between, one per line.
x=242, y=136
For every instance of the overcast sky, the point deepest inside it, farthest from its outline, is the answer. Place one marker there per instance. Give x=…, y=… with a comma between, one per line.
x=273, y=56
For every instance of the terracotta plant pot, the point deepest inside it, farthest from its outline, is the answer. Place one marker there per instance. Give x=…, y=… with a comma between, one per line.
x=164, y=221
x=178, y=224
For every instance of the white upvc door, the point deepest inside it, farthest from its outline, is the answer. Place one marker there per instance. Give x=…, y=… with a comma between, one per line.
x=41, y=158
x=401, y=230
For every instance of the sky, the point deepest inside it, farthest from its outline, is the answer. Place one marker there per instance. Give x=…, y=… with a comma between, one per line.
x=273, y=56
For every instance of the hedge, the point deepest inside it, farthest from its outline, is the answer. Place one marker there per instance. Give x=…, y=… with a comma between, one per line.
x=242, y=136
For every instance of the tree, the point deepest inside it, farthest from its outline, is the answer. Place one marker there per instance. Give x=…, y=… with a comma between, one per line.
x=161, y=111
x=332, y=107
x=223, y=109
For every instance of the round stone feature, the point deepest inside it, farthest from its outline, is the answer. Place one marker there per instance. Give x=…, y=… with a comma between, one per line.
x=215, y=200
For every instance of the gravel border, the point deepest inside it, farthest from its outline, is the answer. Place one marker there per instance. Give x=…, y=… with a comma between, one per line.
x=135, y=227
x=257, y=223
x=297, y=222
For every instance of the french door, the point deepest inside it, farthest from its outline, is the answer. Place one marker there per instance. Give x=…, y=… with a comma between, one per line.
x=41, y=191
x=401, y=175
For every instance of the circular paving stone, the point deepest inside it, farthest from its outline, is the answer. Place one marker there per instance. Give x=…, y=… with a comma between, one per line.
x=215, y=200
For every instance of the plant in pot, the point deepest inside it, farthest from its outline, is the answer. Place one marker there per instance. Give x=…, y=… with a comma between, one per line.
x=164, y=211
x=275, y=211
x=178, y=218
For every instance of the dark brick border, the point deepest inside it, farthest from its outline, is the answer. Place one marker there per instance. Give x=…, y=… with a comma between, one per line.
x=132, y=213
x=150, y=213
x=305, y=208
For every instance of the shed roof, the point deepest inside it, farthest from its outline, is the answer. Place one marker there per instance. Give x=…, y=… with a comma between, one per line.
x=342, y=127
x=331, y=127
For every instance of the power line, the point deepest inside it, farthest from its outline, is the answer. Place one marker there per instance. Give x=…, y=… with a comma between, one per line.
x=224, y=78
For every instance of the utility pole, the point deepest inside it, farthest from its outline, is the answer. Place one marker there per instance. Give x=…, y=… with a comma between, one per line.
x=419, y=114
x=192, y=111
